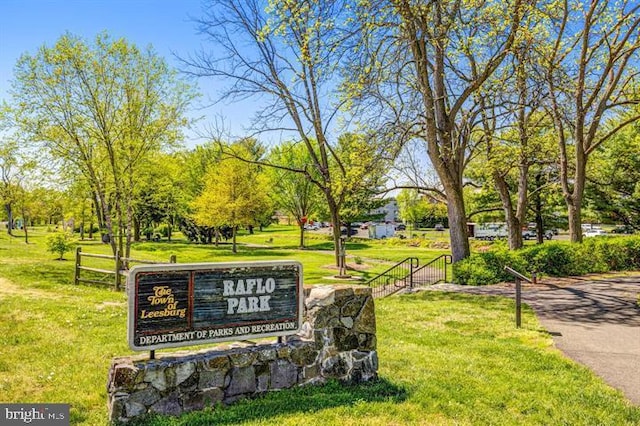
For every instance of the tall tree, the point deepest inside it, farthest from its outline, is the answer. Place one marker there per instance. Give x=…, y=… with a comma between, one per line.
x=159, y=197
x=591, y=72
x=364, y=178
x=413, y=207
x=419, y=66
x=510, y=105
x=194, y=165
x=234, y=195
x=613, y=182
x=288, y=54
x=296, y=196
x=79, y=207
x=8, y=171
x=101, y=108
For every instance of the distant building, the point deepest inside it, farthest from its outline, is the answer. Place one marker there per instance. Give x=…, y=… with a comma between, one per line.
x=281, y=218
x=389, y=212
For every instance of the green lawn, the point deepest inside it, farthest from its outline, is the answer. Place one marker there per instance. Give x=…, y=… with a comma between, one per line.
x=444, y=358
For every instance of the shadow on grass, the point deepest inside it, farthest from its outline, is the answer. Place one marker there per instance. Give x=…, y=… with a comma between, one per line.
x=301, y=400
x=488, y=301
x=43, y=275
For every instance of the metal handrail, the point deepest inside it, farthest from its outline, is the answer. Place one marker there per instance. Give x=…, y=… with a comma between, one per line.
x=395, y=266
x=433, y=275
x=394, y=278
x=519, y=278
x=409, y=274
x=517, y=274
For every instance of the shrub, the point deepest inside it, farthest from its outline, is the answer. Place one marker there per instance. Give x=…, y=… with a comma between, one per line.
x=488, y=267
x=555, y=258
x=162, y=229
x=617, y=254
x=87, y=229
x=60, y=243
x=474, y=270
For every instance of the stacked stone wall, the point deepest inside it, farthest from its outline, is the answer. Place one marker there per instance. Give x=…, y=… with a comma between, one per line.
x=337, y=341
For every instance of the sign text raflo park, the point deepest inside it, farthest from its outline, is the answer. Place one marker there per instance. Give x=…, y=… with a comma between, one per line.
x=174, y=305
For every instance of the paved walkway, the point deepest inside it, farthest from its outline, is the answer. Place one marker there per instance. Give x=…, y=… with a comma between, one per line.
x=594, y=321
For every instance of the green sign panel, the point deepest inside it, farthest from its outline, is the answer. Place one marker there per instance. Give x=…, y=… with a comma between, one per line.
x=174, y=305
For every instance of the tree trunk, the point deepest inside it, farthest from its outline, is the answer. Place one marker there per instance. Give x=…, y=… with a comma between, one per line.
x=234, y=249
x=513, y=223
x=136, y=229
x=537, y=206
x=9, y=210
x=301, y=225
x=574, y=199
x=514, y=228
x=575, y=222
x=24, y=227
x=334, y=212
x=458, y=231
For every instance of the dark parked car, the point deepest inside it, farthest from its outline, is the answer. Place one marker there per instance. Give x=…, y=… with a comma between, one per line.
x=530, y=234
x=623, y=229
x=343, y=231
x=401, y=227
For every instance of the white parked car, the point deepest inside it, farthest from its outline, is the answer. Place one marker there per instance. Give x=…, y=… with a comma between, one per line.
x=595, y=232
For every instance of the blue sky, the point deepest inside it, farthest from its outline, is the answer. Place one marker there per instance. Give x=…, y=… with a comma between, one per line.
x=27, y=24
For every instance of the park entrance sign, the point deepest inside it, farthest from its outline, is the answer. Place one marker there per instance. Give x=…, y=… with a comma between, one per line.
x=172, y=305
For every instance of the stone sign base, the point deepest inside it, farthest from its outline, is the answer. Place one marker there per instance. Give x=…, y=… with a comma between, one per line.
x=338, y=341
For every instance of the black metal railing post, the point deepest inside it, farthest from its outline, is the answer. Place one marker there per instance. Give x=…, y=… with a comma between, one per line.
x=518, y=302
x=518, y=278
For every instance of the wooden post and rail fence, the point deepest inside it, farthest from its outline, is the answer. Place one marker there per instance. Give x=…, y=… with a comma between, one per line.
x=116, y=273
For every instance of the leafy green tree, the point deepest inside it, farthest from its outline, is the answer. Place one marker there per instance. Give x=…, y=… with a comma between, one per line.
x=160, y=197
x=78, y=208
x=102, y=109
x=289, y=54
x=16, y=177
x=590, y=68
x=194, y=165
x=613, y=185
x=297, y=197
x=59, y=243
x=234, y=195
x=516, y=180
x=8, y=170
x=364, y=177
x=418, y=67
x=413, y=207
x=49, y=205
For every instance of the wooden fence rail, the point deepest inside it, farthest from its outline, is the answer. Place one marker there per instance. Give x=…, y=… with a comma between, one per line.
x=116, y=273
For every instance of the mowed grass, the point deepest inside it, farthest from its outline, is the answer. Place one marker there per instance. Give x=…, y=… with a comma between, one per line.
x=444, y=358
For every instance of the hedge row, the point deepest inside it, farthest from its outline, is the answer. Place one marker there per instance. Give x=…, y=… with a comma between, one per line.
x=556, y=259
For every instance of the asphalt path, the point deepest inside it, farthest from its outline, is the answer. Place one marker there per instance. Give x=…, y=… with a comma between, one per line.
x=594, y=321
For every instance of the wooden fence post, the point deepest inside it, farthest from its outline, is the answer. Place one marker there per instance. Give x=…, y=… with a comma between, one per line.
x=118, y=280
x=78, y=263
